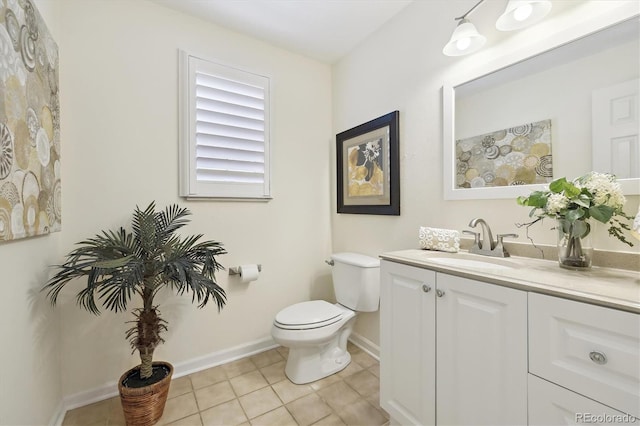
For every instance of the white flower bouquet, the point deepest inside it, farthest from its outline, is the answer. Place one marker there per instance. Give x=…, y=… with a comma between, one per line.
x=594, y=195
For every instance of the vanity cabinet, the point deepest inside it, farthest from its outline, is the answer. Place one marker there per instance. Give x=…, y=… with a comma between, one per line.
x=453, y=350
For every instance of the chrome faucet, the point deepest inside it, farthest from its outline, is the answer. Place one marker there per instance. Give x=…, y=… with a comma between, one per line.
x=486, y=246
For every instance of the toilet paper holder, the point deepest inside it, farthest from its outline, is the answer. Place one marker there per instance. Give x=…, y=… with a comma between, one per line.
x=236, y=270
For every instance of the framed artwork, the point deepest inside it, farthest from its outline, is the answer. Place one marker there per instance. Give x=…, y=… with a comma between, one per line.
x=368, y=167
x=30, y=191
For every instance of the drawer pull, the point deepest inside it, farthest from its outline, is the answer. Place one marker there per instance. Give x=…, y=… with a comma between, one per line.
x=598, y=357
x=426, y=288
x=440, y=293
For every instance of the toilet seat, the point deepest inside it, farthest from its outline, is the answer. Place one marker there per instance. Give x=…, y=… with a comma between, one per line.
x=308, y=315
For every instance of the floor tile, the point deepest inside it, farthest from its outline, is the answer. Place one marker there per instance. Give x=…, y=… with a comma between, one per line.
x=361, y=412
x=283, y=351
x=208, y=377
x=364, y=359
x=238, y=367
x=352, y=368
x=266, y=358
x=92, y=413
x=248, y=382
x=331, y=420
x=323, y=383
x=374, y=399
x=363, y=382
x=259, y=402
x=229, y=413
x=308, y=409
x=338, y=395
x=274, y=373
x=116, y=415
x=278, y=417
x=178, y=408
x=288, y=391
x=180, y=386
x=375, y=369
x=214, y=395
x=193, y=420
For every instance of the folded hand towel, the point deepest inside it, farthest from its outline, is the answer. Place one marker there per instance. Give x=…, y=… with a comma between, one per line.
x=439, y=239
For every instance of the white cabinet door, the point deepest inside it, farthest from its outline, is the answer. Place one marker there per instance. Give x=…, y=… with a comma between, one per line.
x=407, y=343
x=481, y=353
x=552, y=405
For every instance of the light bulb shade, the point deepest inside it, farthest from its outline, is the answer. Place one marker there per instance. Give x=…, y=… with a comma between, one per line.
x=464, y=40
x=522, y=13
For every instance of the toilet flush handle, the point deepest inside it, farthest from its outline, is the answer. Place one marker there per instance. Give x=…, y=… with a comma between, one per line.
x=329, y=262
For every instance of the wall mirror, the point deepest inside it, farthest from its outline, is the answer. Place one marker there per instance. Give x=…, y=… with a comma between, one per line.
x=565, y=112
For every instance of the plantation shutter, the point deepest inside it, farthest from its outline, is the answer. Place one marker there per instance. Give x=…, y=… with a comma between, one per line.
x=228, y=132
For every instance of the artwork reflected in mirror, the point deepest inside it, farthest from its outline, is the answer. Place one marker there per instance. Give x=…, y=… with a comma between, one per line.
x=519, y=155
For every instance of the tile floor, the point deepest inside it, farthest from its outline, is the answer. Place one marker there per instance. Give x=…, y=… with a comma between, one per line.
x=255, y=391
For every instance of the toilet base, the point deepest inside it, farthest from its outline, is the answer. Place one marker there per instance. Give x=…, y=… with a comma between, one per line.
x=305, y=365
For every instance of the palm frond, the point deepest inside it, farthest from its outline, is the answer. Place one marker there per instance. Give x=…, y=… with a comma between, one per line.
x=144, y=230
x=170, y=220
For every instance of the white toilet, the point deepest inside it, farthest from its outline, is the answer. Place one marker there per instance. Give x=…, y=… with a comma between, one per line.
x=316, y=332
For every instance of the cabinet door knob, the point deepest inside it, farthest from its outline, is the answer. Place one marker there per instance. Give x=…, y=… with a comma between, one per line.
x=598, y=357
x=426, y=288
x=440, y=293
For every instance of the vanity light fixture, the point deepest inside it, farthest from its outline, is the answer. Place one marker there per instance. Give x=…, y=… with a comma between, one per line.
x=465, y=38
x=522, y=13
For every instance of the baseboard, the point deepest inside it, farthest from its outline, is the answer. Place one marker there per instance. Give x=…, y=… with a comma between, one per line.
x=366, y=345
x=110, y=389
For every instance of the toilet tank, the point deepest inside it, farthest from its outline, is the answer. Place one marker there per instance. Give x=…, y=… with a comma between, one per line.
x=356, y=281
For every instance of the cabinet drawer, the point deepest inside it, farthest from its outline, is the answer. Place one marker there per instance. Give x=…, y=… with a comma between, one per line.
x=552, y=405
x=589, y=349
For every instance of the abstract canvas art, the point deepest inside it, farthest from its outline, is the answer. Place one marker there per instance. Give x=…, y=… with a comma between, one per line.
x=29, y=124
x=518, y=155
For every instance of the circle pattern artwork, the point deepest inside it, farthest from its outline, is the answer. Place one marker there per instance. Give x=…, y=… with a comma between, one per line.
x=30, y=190
x=519, y=155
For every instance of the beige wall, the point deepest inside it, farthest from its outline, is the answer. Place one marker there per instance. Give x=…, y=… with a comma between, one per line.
x=119, y=101
x=401, y=67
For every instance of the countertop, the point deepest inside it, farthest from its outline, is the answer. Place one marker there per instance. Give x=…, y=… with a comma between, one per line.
x=614, y=288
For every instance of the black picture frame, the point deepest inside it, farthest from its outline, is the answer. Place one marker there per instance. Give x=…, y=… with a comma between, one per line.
x=368, y=167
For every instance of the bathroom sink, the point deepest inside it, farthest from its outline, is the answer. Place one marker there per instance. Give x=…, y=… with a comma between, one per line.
x=475, y=262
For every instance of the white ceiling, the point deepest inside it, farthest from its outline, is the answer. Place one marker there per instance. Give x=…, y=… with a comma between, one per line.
x=324, y=30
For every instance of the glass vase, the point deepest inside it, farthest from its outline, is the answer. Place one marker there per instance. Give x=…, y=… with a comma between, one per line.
x=574, y=244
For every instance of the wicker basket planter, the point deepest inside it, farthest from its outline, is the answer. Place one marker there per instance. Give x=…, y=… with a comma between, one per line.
x=143, y=406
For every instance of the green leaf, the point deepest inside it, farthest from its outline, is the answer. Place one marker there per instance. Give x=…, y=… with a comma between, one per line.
x=557, y=185
x=537, y=199
x=570, y=190
x=601, y=213
x=580, y=229
x=573, y=215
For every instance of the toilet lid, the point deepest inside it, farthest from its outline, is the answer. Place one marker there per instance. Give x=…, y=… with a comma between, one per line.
x=312, y=314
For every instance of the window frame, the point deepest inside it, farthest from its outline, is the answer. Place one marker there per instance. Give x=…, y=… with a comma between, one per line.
x=189, y=186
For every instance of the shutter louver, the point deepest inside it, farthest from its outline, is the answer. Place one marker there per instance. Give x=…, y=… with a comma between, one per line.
x=230, y=132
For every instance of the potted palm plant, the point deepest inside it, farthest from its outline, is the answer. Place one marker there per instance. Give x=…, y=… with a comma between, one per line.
x=122, y=265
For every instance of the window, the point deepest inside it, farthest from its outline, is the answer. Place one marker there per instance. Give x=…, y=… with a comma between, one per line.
x=224, y=121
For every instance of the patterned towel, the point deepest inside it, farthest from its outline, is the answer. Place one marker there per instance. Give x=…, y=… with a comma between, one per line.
x=439, y=239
